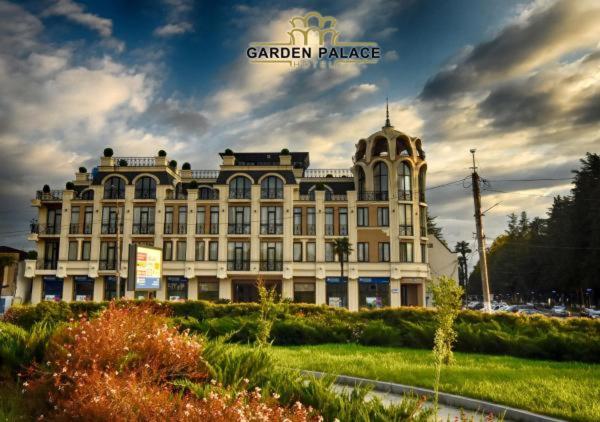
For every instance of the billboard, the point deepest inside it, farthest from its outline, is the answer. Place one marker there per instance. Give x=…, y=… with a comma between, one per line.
x=147, y=267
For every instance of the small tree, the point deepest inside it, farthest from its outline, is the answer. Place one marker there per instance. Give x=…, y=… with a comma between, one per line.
x=69, y=186
x=173, y=164
x=108, y=152
x=186, y=166
x=285, y=151
x=267, y=298
x=162, y=153
x=447, y=297
x=82, y=170
x=46, y=189
x=342, y=247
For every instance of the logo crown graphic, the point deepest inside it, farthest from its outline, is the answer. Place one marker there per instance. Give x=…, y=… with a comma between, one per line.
x=302, y=25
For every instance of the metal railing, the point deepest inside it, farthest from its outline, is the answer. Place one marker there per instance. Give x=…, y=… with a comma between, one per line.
x=168, y=228
x=406, y=230
x=343, y=230
x=178, y=195
x=111, y=228
x=271, y=265
x=200, y=228
x=135, y=161
x=208, y=194
x=53, y=195
x=240, y=194
x=271, y=193
x=46, y=264
x=87, y=228
x=108, y=264
x=404, y=195
x=205, y=174
x=238, y=265
x=74, y=228
x=332, y=197
x=322, y=173
x=143, y=228
x=271, y=228
x=373, y=196
x=423, y=231
x=145, y=194
x=307, y=197
x=297, y=229
x=329, y=229
x=311, y=229
x=182, y=228
x=238, y=228
x=214, y=228
x=44, y=229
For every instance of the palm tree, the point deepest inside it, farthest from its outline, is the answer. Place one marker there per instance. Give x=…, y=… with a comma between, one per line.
x=342, y=247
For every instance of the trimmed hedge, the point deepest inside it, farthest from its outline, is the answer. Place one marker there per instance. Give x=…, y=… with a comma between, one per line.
x=297, y=324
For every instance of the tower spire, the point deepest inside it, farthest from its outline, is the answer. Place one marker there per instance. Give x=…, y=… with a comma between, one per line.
x=387, y=114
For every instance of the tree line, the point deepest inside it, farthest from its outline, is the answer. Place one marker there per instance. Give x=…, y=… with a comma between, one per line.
x=557, y=257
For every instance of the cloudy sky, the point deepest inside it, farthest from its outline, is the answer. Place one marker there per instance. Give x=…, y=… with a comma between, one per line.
x=519, y=80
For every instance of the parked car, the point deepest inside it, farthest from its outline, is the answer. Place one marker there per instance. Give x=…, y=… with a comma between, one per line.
x=560, y=311
x=591, y=313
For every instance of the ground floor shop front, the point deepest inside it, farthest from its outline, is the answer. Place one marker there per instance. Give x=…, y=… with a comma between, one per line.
x=350, y=293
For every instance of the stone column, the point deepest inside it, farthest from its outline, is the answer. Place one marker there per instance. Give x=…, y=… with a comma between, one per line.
x=320, y=293
x=98, y=289
x=67, y=293
x=193, y=288
x=225, y=289
x=395, y=292
x=36, y=290
x=353, y=294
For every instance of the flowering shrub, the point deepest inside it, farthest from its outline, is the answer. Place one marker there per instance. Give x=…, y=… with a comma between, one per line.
x=124, y=364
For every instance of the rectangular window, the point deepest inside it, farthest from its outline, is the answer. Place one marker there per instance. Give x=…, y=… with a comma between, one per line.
x=73, y=250
x=328, y=221
x=86, y=249
x=238, y=256
x=167, y=250
x=362, y=216
x=343, y=216
x=181, y=250
x=297, y=252
x=405, y=216
x=74, y=227
x=362, y=250
x=53, y=221
x=271, y=256
x=84, y=289
x=214, y=220
x=424, y=252
x=384, y=252
x=311, y=252
x=239, y=220
x=271, y=220
x=311, y=221
x=177, y=288
x=406, y=252
x=168, y=220
x=182, y=220
x=200, y=250
x=143, y=220
x=304, y=292
x=423, y=220
x=200, y=220
x=88, y=217
x=213, y=251
x=110, y=216
x=297, y=221
x=383, y=216
x=329, y=253
x=208, y=291
x=108, y=255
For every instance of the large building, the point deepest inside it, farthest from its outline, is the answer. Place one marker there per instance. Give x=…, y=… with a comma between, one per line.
x=259, y=214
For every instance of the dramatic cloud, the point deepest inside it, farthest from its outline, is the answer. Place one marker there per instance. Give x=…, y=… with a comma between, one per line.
x=76, y=13
x=177, y=18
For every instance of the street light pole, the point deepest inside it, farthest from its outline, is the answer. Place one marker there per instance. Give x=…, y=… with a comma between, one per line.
x=485, y=285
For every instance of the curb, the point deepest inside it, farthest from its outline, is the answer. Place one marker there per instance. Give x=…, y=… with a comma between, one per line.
x=453, y=400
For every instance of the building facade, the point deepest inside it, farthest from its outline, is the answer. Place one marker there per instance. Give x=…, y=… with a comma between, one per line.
x=15, y=288
x=259, y=214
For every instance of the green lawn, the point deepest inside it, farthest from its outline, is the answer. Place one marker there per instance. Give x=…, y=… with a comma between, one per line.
x=569, y=390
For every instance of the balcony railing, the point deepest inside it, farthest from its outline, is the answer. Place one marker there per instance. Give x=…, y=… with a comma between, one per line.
x=214, y=228
x=373, y=196
x=145, y=194
x=53, y=195
x=406, y=230
x=311, y=229
x=182, y=228
x=404, y=195
x=108, y=264
x=271, y=228
x=271, y=265
x=240, y=194
x=343, y=230
x=46, y=264
x=271, y=193
x=111, y=228
x=238, y=228
x=423, y=231
x=200, y=228
x=297, y=229
x=176, y=195
x=143, y=228
x=168, y=228
x=328, y=229
x=208, y=194
x=307, y=197
x=332, y=197
x=238, y=265
x=205, y=174
x=44, y=229
x=87, y=228
x=321, y=173
x=74, y=228
x=135, y=161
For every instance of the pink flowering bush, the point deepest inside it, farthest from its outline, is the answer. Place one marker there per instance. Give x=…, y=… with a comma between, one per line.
x=124, y=365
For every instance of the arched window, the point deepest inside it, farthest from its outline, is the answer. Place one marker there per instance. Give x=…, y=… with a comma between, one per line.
x=114, y=188
x=361, y=180
x=380, y=181
x=271, y=187
x=87, y=195
x=145, y=188
x=180, y=191
x=404, y=182
x=402, y=147
x=239, y=188
x=380, y=147
x=422, y=173
x=207, y=193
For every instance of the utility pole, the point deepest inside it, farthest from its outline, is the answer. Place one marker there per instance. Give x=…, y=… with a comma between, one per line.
x=485, y=283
